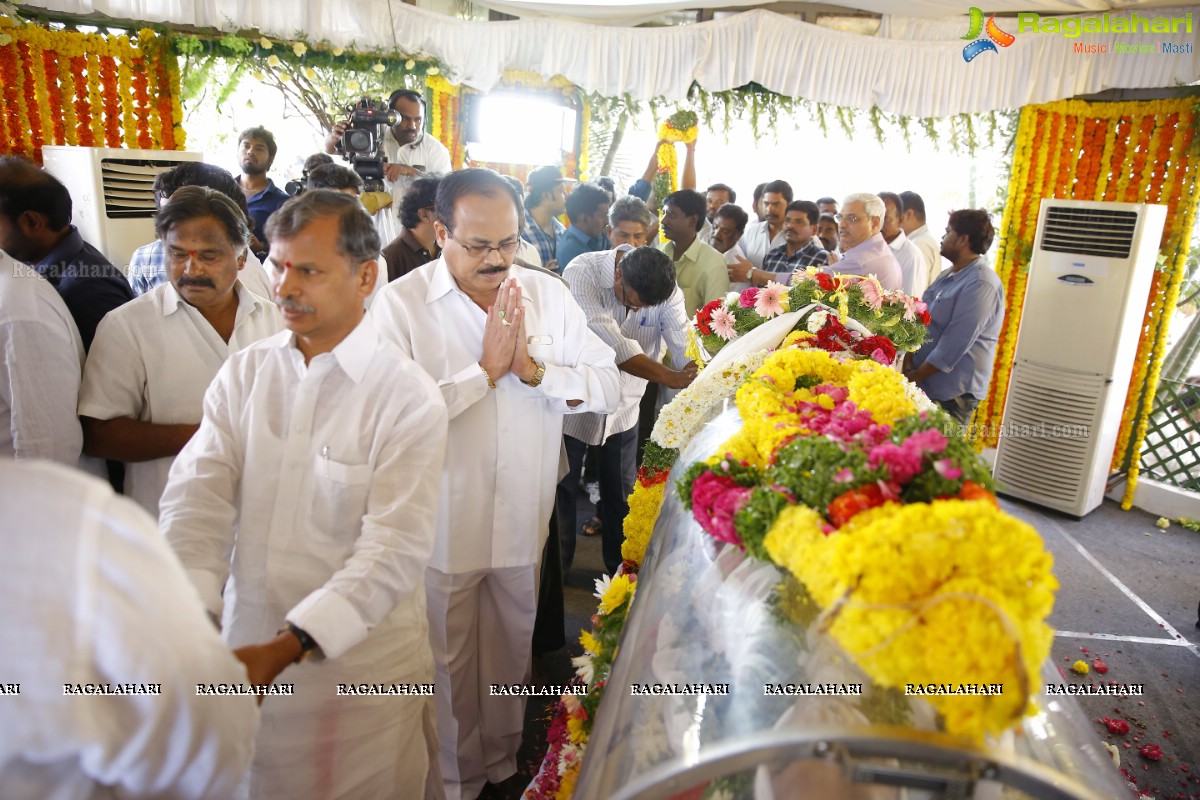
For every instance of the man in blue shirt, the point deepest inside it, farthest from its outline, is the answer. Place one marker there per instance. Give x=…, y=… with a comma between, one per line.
x=256, y=154
x=35, y=228
x=966, y=309
x=587, y=208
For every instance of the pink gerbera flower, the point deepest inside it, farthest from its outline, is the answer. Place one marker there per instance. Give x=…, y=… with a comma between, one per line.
x=769, y=302
x=722, y=324
x=872, y=294
x=912, y=307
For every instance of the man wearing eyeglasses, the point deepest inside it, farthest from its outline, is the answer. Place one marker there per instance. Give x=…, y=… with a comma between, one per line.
x=633, y=303
x=864, y=251
x=512, y=354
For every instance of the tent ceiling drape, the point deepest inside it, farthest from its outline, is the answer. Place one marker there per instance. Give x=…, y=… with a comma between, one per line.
x=900, y=71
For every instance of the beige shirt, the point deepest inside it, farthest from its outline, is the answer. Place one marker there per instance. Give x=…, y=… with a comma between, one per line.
x=700, y=272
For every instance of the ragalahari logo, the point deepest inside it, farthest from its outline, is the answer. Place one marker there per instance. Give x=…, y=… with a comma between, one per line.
x=995, y=36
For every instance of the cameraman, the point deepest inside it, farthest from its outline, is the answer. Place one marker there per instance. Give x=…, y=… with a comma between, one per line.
x=409, y=152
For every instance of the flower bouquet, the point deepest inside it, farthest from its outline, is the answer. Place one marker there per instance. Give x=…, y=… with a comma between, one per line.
x=880, y=313
x=887, y=520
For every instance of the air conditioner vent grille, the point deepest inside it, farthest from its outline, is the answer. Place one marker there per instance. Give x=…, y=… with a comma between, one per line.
x=1089, y=231
x=129, y=186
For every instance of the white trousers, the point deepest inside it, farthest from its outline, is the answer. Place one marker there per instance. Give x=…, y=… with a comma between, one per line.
x=481, y=628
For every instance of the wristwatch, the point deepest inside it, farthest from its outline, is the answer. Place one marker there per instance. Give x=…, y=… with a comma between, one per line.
x=538, y=375
x=307, y=643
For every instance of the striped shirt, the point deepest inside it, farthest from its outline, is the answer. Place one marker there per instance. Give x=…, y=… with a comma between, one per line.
x=629, y=333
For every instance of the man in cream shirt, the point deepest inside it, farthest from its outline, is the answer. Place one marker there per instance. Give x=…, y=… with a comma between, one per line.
x=152, y=359
x=512, y=353
x=311, y=488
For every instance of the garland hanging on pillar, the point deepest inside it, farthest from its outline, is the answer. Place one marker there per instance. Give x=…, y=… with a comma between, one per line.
x=1135, y=152
x=64, y=87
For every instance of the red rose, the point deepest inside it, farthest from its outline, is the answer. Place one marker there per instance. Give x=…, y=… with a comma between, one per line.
x=825, y=281
x=925, y=318
x=849, y=504
x=1150, y=752
x=704, y=316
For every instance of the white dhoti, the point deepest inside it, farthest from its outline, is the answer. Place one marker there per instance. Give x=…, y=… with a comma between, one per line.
x=480, y=627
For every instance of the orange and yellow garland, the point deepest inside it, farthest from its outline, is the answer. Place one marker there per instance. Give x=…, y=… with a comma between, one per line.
x=1134, y=152
x=64, y=87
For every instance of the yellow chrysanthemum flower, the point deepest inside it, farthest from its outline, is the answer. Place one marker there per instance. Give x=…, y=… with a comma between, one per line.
x=619, y=590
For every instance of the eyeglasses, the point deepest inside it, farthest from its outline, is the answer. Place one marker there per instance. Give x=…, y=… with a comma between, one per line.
x=481, y=251
x=625, y=299
x=853, y=219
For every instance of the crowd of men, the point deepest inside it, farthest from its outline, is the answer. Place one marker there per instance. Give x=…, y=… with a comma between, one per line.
x=344, y=437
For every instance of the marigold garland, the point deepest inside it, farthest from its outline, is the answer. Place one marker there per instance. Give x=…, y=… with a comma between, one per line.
x=66, y=87
x=1128, y=151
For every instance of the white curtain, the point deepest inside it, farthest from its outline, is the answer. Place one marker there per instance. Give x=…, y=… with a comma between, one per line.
x=895, y=71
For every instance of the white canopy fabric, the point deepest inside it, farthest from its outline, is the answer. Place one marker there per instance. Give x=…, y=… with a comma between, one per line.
x=896, y=71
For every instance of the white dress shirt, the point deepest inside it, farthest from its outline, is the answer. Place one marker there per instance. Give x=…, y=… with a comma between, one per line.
x=93, y=595
x=931, y=248
x=426, y=152
x=153, y=358
x=629, y=333
x=41, y=358
x=322, y=481
x=757, y=243
x=502, y=459
x=913, y=268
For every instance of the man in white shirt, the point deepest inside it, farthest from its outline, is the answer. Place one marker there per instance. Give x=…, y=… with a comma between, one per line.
x=40, y=363
x=913, y=267
x=311, y=488
x=152, y=359
x=762, y=237
x=410, y=153
x=512, y=354
x=108, y=644
x=728, y=227
x=913, y=223
x=864, y=252
x=633, y=304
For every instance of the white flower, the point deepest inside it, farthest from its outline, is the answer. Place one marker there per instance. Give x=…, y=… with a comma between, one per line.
x=299, y=48
x=733, y=299
x=584, y=668
x=265, y=43
x=310, y=73
x=273, y=61
x=602, y=585
x=352, y=86
x=409, y=64
x=817, y=320
x=378, y=66
x=682, y=417
x=433, y=71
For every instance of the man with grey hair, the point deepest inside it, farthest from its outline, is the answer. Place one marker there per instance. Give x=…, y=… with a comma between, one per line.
x=864, y=251
x=633, y=304
x=311, y=488
x=152, y=359
x=629, y=221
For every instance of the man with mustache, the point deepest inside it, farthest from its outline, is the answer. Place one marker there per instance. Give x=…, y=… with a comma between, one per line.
x=511, y=351
x=256, y=154
x=153, y=358
x=761, y=237
x=311, y=490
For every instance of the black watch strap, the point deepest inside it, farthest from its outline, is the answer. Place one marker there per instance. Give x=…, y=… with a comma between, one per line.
x=307, y=643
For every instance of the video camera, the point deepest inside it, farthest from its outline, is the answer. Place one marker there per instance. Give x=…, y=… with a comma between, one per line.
x=362, y=142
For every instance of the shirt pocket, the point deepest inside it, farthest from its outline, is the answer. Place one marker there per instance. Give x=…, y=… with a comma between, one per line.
x=541, y=347
x=340, y=493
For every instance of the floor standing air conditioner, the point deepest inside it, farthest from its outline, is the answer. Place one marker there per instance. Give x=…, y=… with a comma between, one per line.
x=112, y=193
x=1089, y=281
